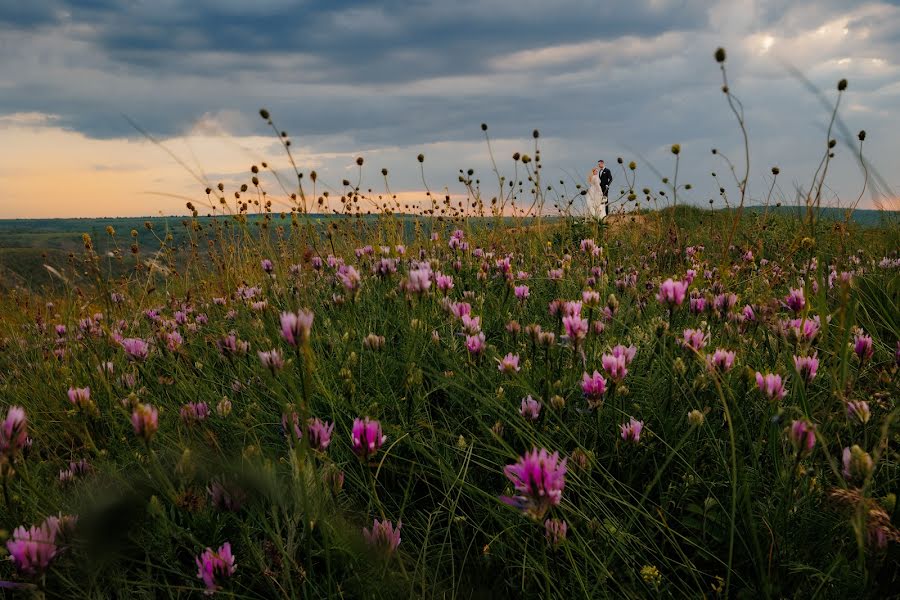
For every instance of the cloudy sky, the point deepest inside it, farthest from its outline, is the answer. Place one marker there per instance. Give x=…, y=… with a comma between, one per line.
x=389, y=80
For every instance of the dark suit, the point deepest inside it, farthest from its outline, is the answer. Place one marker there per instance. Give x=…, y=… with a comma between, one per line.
x=605, y=180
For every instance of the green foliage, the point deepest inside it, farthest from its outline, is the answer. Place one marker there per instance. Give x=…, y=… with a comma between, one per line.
x=723, y=508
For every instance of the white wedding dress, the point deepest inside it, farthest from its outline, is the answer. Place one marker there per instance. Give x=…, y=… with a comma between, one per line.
x=596, y=201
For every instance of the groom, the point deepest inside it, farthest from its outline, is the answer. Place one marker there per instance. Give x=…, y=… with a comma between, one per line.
x=605, y=178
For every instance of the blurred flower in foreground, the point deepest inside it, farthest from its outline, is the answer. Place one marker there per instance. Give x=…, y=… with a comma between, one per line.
x=366, y=437
x=539, y=477
x=215, y=566
x=383, y=536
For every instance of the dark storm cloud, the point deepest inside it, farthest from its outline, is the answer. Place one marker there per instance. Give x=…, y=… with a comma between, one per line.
x=361, y=75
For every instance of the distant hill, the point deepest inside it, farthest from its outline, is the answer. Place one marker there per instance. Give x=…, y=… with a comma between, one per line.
x=865, y=217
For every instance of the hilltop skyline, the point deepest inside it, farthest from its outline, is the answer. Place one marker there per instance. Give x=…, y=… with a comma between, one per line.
x=390, y=80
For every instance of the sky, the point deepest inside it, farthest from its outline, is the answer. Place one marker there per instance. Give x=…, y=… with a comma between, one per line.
x=389, y=80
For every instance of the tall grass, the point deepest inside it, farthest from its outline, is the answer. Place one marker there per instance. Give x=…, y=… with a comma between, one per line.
x=728, y=491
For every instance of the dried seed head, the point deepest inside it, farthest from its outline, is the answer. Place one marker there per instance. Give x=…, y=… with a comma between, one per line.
x=842, y=85
x=720, y=55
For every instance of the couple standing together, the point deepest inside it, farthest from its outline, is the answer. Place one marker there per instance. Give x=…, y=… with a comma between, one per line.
x=598, y=190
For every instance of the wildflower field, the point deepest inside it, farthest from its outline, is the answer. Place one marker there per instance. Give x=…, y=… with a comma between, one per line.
x=672, y=403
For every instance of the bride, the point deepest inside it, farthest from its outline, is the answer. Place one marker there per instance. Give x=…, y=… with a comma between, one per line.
x=596, y=201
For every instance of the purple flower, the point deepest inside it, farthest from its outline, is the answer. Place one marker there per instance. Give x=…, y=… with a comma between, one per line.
x=215, y=566
x=697, y=304
x=627, y=353
x=319, y=433
x=593, y=387
x=32, y=549
x=803, y=329
x=795, y=300
x=631, y=431
x=862, y=346
x=460, y=309
x=173, y=341
x=555, y=531
x=576, y=328
x=509, y=364
x=475, y=343
x=748, y=313
x=230, y=345
x=721, y=360
x=521, y=292
x=803, y=436
x=771, y=385
x=471, y=324
x=267, y=265
x=444, y=282
x=806, y=366
x=531, y=408
x=614, y=366
x=695, y=339
x=349, y=277
x=857, y=464
x=272, y=360
x=366, y=437
x=859, y=410
x=226, y=495
x=145, y=420
x=419, y=281
x=14, y=433
x=383, y=536
x=672, y=292
x=590, y=298
x=539, y=477
x=194, y=412
x=296, y=327
x=80, y=397
x=136, y=349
